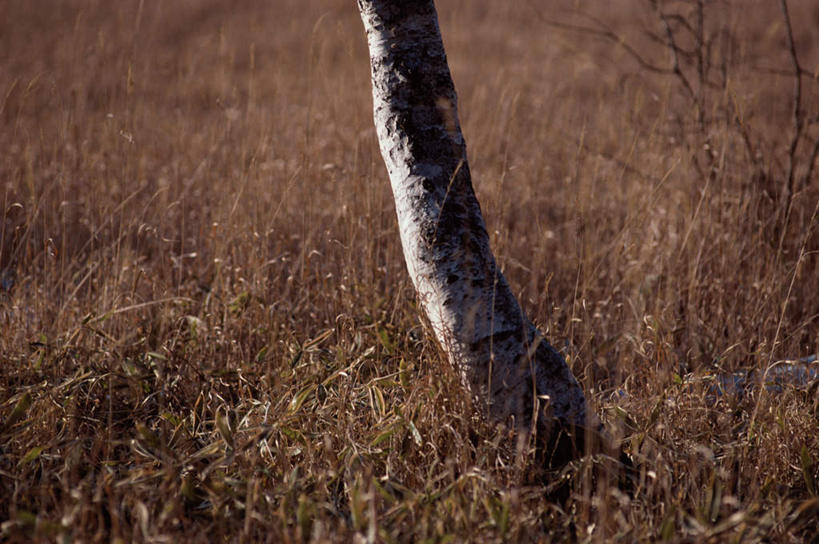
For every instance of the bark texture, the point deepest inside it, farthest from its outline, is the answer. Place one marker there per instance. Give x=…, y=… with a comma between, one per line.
x=502, y=358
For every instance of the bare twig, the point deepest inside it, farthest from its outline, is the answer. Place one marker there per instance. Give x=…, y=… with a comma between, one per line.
x=605, y=32
x=675, y=57
x=797, y=114
x=703, y=49
x=780, y=72
x=812, y=161
x=745, y=132
x=682, y=21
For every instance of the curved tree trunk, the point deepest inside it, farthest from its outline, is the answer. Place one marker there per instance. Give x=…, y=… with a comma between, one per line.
x=502, y=358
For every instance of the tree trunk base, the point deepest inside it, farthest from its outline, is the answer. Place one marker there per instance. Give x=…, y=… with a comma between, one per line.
x=569, y=453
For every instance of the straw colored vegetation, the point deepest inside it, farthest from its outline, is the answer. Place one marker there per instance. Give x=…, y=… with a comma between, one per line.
x=206, y=325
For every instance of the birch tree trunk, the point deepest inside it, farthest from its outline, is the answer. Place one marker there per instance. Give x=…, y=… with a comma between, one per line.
x=502, y=358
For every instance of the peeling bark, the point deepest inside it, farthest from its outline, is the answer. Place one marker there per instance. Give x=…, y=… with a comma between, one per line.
x=502, y=358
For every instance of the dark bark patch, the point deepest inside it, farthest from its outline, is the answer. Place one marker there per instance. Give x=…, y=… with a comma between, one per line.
x=428, y=232
x=496, y=338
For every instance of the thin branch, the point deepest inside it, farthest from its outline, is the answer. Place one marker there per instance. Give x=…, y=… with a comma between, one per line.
x=744, y=132
x=703, y=48
x=605, y=32
x=812, y=162
x=660, y=40
x=798, y=118
x=683, y=22
x=786, y=73
x=675, y=56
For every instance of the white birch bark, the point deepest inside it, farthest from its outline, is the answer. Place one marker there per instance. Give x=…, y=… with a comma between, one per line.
x=502, y=358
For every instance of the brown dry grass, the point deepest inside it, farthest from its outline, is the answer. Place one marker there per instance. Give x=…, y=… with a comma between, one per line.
x=208, y=330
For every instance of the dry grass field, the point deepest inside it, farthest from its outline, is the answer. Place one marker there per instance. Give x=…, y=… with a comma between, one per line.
x=206, y=326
